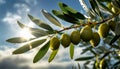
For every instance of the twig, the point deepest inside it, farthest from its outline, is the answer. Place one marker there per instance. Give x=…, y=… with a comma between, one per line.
x=77, y=26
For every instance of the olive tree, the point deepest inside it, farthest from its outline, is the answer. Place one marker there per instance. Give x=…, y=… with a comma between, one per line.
x=97, y=32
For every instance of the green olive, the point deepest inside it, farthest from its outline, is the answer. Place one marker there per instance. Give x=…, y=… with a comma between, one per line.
x=109, y=5
x=103, y=30
x=112, y=25
x=75, y=37
x=103, y=64
x=95, y=40
x=54, y=43
x=65, y=40
x=86, y=33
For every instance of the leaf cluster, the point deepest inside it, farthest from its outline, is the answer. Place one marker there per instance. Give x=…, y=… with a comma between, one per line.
x=98, y=12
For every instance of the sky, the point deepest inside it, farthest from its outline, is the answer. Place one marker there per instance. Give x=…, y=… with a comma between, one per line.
x=13, y=10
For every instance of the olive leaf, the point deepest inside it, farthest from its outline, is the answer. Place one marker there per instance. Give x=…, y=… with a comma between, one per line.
x=105, y=0
x=22, y=25
x=117, y=32
x=116, y=3
x=29, y=45
x=34, y=31
x=87, y=9
x=70, y=11
x=115, y=64
x=95, y=8
x=86, y=49
x=41, y=53
x=104, y=8
x=71, y=50
x=79, y=67
x=84, y=58
x=65, y=17
x=51, y=18
x=105, y=54
x=40, y=23
x=17, y=40
x=52, y=55
x=114, y=39
x=117, y=28
x=87, y=62
x=38, y=32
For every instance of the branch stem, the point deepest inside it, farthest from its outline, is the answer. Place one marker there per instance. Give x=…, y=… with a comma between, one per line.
x=89, y=23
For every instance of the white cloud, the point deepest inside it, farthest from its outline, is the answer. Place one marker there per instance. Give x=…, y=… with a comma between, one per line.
x=24, y=61
x=2, y=1
x=21, y=15
x=21, y=11
x=21, y=8
x=11, y=18
x=31, y=2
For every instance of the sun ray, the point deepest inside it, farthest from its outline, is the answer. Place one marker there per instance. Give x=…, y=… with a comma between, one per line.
x=26, y=33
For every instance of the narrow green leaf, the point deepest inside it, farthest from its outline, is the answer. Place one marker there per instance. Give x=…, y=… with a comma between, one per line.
x=51, y=18
x=93, y=52
x=41, y=53
x=115, y=38
x=40, y=23
x=86, y=49
x=90, y=12
x=79, y=67
x=116, y=4
x=86, y=67
x=71, y=50
x=17, y=40
x=115, y=46
x=84, y=5
x=28, y=46
x=34, y=31
x=52, y=55
x=70, y=11
x=38, y=32
x=95, y=8
x=105, y=0
x=104, y=8
x=106, y=54
x=117, y=28
x=87, y=62
x=21, y=24
x=115, y=64
x=65, y=17
x=84, y=58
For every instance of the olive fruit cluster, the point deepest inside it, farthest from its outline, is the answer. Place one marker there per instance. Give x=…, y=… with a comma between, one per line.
x=65, y=40
x=86, y=34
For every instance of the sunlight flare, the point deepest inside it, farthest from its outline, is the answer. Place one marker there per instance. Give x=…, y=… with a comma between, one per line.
x=26, y=33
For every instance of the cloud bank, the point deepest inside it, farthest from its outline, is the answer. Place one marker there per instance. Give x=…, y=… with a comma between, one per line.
x=24, y=61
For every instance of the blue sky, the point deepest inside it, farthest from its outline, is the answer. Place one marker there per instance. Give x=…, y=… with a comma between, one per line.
x=13, y=10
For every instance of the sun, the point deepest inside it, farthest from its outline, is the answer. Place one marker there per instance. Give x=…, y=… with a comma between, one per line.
x=26, y=33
